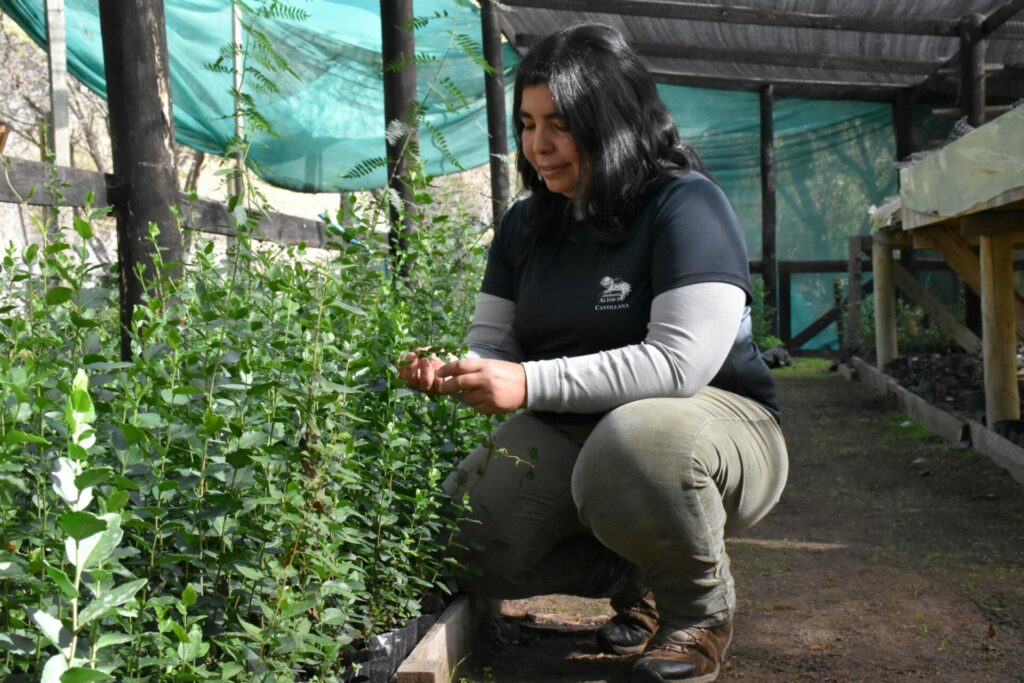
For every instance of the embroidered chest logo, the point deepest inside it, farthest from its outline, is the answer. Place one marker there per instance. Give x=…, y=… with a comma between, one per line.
x=614, y=295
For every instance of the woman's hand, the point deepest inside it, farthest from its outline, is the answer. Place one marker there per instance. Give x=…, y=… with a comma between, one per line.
x=488, y=386
x=419, y=372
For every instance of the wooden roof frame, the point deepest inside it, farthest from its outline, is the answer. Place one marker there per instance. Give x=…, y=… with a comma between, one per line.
x=828, y=76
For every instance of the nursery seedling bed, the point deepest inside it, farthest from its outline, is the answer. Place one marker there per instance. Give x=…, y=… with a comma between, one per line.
x=952, y=428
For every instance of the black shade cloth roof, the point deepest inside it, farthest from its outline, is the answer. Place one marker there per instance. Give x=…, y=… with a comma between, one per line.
x=832, y=49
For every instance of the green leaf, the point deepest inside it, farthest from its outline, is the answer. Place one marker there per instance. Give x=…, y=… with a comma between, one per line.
x=238, y=460
x=52, y=629
x=252, y=438
x=117, y=500
x=12, y=436
x=80, y=525
x=81, y=675
x=92, y=477
x=109, y=600
x=249, y=572
x=19, y=645
x=63, y=582
x=132, y=434
x=108, y=639
x=188, y=596
x=54, y=669
x=58, y=295
x=252, y=630
x=83, y=228
x=28, y=254
x=92, y=551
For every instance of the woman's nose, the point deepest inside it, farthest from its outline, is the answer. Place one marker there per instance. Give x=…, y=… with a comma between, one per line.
x=541, y=141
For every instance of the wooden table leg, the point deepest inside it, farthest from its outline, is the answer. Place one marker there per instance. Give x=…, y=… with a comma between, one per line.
x=885, y=301
x=999, y=341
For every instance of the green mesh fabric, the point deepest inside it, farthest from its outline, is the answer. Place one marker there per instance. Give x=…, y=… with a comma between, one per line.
x=834, y=159
x=328, y=119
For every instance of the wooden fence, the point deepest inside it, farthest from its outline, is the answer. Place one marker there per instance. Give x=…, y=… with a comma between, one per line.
x=40, y=184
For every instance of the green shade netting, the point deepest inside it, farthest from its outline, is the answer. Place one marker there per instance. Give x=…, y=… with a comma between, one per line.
x=328, y=119
x=834, y=159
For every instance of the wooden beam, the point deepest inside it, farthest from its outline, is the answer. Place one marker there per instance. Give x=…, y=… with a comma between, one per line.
x=28, y=182
x=718, y=14
x=497, y=121
x=21, y=180
x=1001, y=16
x=715, y=53
x=820, y=89
x=972, y=70
x=1002, y=397
x=213, y=217
x=1006, y=222
x=964, y=261
x=142, y=144
x=769, y=272
x=398, y=51
x=935, y=309
x=886, y=349
x=989, y=25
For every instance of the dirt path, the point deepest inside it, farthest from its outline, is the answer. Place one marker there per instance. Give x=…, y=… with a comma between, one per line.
x=891, y=557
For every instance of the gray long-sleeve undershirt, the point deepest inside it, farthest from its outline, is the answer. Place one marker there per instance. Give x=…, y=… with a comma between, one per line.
x=691, y=330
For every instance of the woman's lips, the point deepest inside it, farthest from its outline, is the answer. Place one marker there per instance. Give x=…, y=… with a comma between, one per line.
x=551, y=170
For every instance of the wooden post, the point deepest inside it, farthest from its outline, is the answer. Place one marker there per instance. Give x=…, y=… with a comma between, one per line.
x=785, y=310
x=972, y=106
x=497, y=124
x=142, y=143
x=853, y=295
x=769, y=266
x=902, y=127
x=57, y=58
x=885, y=301
x=59, y=137
x=1002, y=397
x=238, y=181
x=398, y=50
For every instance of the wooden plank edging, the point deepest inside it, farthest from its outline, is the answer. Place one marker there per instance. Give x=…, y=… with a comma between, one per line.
x=1002, y=452
x=949, y=427
x=952, y=429
x=447, y=644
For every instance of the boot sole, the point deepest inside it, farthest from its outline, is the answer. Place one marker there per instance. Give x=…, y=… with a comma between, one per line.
x=648, y=676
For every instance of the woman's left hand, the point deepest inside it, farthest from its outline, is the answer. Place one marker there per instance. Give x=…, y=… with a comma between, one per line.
x=488, y=386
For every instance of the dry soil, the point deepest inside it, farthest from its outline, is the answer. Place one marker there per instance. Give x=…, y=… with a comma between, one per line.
x=891, y=557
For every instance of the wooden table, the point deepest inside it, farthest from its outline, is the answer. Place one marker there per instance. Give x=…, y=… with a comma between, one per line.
x=969, y=194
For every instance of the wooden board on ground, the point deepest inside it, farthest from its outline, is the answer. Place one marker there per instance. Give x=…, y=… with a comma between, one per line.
x=446, y=645
x=1002, y=451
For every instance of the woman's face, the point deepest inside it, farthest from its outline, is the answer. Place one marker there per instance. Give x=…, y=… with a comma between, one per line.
x=547, y=144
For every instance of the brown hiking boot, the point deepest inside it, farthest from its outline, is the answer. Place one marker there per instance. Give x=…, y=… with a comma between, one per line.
x=631, y=628
x=693, y=654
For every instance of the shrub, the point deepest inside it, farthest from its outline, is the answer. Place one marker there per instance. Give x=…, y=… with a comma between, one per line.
x=262, y=491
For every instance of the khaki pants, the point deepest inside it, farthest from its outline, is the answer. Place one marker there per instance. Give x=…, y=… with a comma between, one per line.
x=642, y=498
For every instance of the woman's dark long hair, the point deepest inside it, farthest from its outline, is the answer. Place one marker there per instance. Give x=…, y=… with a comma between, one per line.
x=624, y=133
